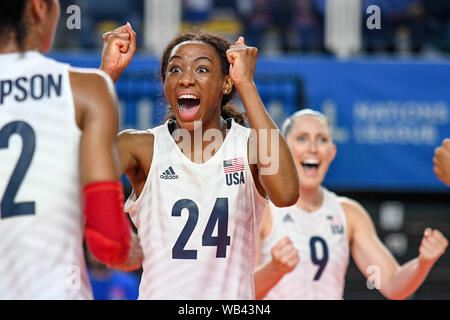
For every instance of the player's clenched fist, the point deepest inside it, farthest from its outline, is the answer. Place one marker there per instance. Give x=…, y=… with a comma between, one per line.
x=242, y=61
x=119, y=47
x=441, y=162
x=284, y=256
x=433, y=245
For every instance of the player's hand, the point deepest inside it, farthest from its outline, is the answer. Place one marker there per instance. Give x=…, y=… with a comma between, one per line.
x=119, y=47
x=433, y=245
x=284, y=256
x=242, y=61
x=441, y=162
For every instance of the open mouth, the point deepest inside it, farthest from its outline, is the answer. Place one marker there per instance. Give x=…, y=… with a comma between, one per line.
x=188, y=105
x=310, y=166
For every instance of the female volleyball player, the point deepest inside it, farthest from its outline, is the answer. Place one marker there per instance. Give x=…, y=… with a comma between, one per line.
x=199, y=180
x=54, y=121
x=304, y=249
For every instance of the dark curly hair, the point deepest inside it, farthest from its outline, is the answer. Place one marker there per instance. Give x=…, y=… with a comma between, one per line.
x=221, y=46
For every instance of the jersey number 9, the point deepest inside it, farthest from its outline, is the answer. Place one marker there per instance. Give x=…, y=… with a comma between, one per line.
x=320, y=262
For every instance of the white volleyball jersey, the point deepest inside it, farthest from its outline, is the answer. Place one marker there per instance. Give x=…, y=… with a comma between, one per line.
x=197, y=223
x=321, y=239
x=41, y=221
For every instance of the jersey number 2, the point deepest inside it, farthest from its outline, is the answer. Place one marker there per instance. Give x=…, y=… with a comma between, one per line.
x=219, y=216
x=9, y=208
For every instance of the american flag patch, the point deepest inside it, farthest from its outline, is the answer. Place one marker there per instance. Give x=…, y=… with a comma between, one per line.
x=336, y=224
x=233, y=165
x=334, y=219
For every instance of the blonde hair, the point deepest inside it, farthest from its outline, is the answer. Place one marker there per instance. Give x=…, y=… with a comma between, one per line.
x=287, y=124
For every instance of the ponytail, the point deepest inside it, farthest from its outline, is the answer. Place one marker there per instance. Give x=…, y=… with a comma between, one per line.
x=12, y=20
x=229, y=111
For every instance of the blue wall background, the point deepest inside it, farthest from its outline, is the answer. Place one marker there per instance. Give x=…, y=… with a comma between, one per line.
x=388, y=114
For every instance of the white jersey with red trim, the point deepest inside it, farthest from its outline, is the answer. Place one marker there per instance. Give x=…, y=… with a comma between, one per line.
x=197, y=223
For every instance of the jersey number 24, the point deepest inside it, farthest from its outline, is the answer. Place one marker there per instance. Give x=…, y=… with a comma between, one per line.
x=219, y=216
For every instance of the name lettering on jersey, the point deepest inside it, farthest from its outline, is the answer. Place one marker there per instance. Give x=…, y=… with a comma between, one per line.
x=169, y=174
x=336, y=224
x=234, y=171
x=35, y=87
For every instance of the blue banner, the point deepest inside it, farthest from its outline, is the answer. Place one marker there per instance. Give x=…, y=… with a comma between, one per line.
x=388, y=117
x=388, y=114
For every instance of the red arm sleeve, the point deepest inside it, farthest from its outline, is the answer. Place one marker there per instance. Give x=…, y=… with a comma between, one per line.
x=107, y=230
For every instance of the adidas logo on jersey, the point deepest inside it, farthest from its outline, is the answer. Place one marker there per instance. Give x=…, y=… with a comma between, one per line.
x=288, y=218
x=169, y=174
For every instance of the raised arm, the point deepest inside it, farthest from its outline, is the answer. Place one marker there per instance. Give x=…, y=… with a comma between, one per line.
x=119, y=47
x=284, y=259
x=378, y=264
x=107, y=230
x=276, y=169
